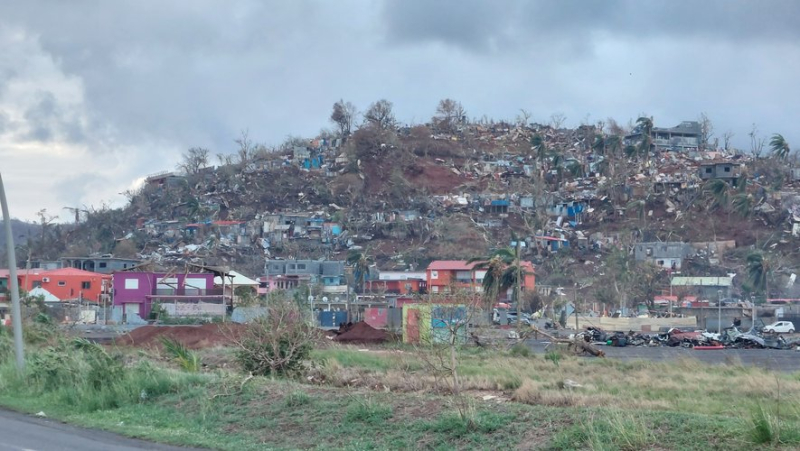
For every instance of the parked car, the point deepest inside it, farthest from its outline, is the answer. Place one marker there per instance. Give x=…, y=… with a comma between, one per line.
x=780, y=327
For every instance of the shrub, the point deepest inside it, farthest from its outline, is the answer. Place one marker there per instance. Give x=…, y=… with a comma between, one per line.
x=278, y=343
x=520, y=350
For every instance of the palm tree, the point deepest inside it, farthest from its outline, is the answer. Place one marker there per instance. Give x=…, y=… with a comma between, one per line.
x=646, y=128
x=599, y=145
x=742, y=204
x=780, y=148
x=360, y=263
x=759, y=268
x=719, y=192
x=496, y=265
x=540, y=147
x=613, y=144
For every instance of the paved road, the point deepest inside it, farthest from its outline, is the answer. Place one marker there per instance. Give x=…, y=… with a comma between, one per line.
x=20, y=432
x=785, y=360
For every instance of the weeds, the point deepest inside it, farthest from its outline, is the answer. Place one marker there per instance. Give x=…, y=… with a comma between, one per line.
x=367, y=410
x=297, y=398
x=520, y=350
x=188, y=360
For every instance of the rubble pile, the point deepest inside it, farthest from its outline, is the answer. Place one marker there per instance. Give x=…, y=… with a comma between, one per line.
x=673, y=337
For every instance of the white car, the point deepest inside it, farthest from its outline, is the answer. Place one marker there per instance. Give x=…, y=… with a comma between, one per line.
x=780, y=327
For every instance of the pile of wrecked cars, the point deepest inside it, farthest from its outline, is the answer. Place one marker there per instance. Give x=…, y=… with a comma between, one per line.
x=731, y=337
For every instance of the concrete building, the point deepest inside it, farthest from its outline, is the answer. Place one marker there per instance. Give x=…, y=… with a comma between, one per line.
x=667, y=255
x=103, y=264
x=686, y=136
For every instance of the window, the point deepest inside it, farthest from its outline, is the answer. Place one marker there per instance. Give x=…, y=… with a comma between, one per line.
x=661, y=263
x=62, y=283
x=131, y=284
x=649, y=251
x=37, y=284
x=86, y=285
x=727, y=169
x=102, y=265
x=708, y=170
x=301, y=266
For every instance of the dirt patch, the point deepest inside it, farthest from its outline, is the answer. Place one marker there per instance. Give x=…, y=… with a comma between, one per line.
x=434, y=178
x=193, y=337
x=362, y=332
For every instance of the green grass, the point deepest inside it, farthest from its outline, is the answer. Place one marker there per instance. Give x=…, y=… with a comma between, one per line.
x=627, y=406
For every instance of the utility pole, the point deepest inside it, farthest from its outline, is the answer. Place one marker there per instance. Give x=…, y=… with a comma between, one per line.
x=519, y=287
x=13, y=283
x=575, y=304
x=719, y=311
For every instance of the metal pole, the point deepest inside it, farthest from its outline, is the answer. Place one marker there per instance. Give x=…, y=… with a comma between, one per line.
x=575, y=304
x=13, y=283
x=719, y=311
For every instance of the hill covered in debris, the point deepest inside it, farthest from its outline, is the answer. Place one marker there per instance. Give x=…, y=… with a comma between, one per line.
x=455, y=189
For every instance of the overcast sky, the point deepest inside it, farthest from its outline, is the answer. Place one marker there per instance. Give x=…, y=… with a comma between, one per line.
x=94, y=95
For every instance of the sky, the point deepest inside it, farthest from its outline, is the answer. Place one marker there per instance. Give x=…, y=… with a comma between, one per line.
x=96, y=95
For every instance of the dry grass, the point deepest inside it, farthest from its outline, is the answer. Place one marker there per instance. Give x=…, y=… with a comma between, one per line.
x=682, y=385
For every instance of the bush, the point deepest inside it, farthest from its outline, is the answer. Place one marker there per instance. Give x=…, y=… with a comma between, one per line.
x=84, y=376
x=278, y=343
x=520, y=350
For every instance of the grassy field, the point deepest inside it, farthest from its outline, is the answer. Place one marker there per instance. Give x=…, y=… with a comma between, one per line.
x=397, y=397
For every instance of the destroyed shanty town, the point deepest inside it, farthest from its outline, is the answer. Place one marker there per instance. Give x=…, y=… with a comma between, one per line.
x=496, y=245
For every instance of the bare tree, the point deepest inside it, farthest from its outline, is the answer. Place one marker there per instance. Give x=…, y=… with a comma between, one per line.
x=557, y=120
x=726, y=139
x=706, y=130
x=380, y=115
x=343, y=115
x=757, y=142
x=524, y=117
x=449, y=113
x=614, y=128
x=246, y=148
x=194, y=159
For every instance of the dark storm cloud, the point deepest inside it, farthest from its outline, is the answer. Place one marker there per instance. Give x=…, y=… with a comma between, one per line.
x=476, y=25
x=48, y=121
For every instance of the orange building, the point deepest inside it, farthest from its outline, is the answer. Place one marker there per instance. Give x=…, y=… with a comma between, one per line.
x=66, y=284
x=398, y=282
x=441, y=275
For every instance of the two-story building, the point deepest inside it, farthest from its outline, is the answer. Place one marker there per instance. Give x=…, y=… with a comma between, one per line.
x=399, y=282
x=179, y=294
x=686, y=136
x=291, y=274
x=104, y=264
x=442, y=276
x=66, y=284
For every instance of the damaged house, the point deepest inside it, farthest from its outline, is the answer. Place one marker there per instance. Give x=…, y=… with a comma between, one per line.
x=684, y=137
x=667, y=255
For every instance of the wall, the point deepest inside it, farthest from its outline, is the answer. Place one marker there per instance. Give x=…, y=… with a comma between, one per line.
x=634, y=324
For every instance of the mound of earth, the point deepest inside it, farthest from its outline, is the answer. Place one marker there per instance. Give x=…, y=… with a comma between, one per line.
x=362, y=332
x=193, y=337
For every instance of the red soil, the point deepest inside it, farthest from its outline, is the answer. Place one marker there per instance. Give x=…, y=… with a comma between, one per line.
x=193, y=337
x=362, y=332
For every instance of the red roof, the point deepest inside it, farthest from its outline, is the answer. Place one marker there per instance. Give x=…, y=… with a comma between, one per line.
x=451, y=265
x=227, y=223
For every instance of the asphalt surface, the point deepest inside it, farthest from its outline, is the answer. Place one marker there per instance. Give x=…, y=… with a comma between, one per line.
x=20, y=432
x=772, y=359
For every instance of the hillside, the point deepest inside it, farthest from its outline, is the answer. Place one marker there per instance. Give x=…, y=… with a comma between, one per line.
x=407, y=195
